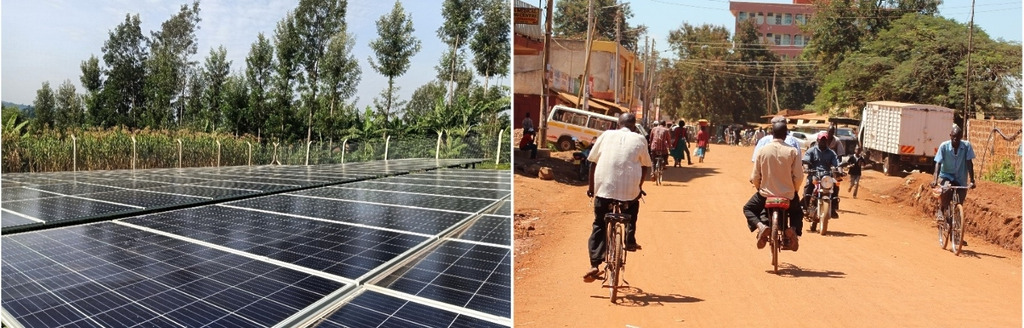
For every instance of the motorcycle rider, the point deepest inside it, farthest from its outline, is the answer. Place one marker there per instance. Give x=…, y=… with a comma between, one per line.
x=776, y=173
x=820, y=159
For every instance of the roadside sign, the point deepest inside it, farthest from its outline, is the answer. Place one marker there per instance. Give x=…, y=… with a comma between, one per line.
x=530, y=16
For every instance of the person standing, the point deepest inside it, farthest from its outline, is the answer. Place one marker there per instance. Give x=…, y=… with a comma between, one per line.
x=682, y=145
x=619, y=162
x=528, y=123
x=702, y=143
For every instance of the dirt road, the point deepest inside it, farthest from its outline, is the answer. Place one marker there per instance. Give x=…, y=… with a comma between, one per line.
x=880, y=265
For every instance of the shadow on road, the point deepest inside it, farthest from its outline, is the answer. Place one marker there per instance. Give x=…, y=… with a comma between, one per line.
x=636, y=297
x=978, y=255
x=685, y=174
x=851, y=212
x=789, y=270
x=834, y=233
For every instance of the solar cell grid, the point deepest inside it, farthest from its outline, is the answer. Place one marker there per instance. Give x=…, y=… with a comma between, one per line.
x=473, y=276
x=505, y=209
x=405, y=199
x=143, y=198
x=446, y=182
x=129, y=184
x=372, y=309
x=390, y=217
x=201, y=191
x=75, y=188
x=489, y=229
x=19, y=193
x=380, y=184
x=64, y=207
x=332, y=248
x=120, y=280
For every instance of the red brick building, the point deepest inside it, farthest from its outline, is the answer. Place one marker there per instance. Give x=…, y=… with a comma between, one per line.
x=778, y=24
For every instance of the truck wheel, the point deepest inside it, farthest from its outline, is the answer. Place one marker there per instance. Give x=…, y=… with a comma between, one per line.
x=565, y=143
x=891, y=167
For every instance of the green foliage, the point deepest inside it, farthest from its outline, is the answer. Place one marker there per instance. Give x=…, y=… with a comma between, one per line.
x=45, y=104
x=491, y=44
x=1005, y=173
x=570, y=21
x=124, y=54
x=394, y=49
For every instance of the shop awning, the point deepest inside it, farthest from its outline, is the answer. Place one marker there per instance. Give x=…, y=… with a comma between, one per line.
x=594, y=105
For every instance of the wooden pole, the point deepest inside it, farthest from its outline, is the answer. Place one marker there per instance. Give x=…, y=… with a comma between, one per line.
x=545, y=84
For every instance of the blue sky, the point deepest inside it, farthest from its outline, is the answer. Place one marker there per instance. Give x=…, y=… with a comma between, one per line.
x=999, y=18
x=46, y=40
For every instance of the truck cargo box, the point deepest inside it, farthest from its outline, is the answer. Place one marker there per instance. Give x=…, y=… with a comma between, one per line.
x=904, y=134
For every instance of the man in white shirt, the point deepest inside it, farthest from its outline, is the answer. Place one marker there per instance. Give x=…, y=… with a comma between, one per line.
x=620, y=161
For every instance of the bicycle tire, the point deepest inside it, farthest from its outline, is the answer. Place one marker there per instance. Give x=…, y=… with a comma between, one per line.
x=957, y=231
x=824, y=213
x=775, y=241
x=943, y=228
x=618, y=251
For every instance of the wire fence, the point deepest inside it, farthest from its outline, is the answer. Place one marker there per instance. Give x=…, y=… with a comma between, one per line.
x=112, y=150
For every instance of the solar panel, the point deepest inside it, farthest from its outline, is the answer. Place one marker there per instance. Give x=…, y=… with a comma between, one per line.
x=419, y=200
x=505, y=209
x=245, y=185
x=19, y=193
x=476, y=277
x=446, y=182
x=143, y=198
x=8, y=219
x=342, y=250
x=110, y=275
x=64, y=207
x=391, y=217
x=489, y=229
x=199, y=191
x=129, y=184
x=428, y=189
x=74, y=188
x=372, y=309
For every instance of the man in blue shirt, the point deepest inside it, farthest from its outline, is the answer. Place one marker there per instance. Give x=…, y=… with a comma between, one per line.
x=821, y=159
x=790, y=140
x=954, y=162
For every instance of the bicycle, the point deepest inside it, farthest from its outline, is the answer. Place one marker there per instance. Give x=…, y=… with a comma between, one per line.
x=659, y=169
x=777, y=208
x=615, y=247
x=952, y=227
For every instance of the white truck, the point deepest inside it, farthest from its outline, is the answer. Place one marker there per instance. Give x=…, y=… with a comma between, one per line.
x=901, y=135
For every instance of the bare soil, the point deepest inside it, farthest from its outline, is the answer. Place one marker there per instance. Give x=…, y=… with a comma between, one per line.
x=879, y=265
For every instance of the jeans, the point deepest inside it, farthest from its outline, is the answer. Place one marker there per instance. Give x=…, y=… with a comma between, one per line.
x=596, y=243
x=755, y=208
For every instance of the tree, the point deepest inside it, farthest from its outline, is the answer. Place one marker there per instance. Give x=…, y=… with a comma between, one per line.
x=92, y=81
x=215, y=76
x=394, y=49
x=460, y=21
x=44, y=104
x=340, y=74
x=491, y=44
x=234, y=106
x=570, y=21
x=316, y=22
x=68, y=107
x=423, y=100
x=168, y=64
x=286, y=40
x=259, y=71
x=125, y=53
x=452, y=68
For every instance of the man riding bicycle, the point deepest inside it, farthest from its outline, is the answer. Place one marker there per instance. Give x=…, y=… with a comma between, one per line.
x=776, y=173
x=821, y=159
x=619, y=162
x=661, y=142
x=954, y=162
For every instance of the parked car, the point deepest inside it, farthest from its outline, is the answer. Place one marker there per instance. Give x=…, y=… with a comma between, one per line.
x=848, y=138
x=805, y=139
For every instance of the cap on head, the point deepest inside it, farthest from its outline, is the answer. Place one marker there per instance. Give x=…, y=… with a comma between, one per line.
x=822, y=136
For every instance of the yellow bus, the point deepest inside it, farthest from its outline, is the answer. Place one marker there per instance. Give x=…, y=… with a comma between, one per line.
x=566, y=124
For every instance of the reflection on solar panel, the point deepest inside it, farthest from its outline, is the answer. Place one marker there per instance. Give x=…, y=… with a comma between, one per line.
x=371, y=309
x=427, y=189
x=56, y=208
x=390, y=257
x=110, y=275
x=491, y=229
x=19, y=193
x=476, y=277
x=506, y=209
x=337, y=249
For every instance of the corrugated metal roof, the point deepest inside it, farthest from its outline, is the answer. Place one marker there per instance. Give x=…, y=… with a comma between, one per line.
x=535, y=32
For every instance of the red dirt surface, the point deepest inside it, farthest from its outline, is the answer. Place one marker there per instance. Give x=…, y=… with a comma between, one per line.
x=880, y=264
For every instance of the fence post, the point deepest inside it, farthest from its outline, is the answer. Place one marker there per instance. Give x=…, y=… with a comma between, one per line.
x=497, y=154
x=307, y=151
x=250, y=152
x=218, y=153
x=437, y=153
x=274, y=158
x=387, y=142
x=179, y=152
x=344, y=145
x=74, y=153
x=135, y=154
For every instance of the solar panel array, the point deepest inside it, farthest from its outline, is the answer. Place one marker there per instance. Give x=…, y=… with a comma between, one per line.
x=398, y=251
x=35, y=200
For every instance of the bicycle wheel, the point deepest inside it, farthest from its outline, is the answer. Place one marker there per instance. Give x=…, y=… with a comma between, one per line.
x=618, y=250
x=824, y=213
x=943, y=228
x=775, y=240
x=957, y=231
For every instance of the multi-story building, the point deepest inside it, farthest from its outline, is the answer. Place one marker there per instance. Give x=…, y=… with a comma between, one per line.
x=778, y=24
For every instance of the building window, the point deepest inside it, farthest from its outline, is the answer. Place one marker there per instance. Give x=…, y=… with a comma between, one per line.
x=760, y=18
x=778, y=39
x=787, y=19
x=785, y=40
x=769, y=38
x=798, y=40
x=778, y=19
x=771, y=18
x=800, y=19
x=742, y=16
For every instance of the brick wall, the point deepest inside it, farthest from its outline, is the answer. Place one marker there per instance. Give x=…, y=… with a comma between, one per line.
x=990, y=148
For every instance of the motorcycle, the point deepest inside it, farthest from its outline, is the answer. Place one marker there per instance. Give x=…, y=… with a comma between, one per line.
x=819, y=209
x=579, y=158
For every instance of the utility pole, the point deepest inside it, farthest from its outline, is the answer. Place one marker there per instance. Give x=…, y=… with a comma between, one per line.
x=970, y=46
x=647, y=76
x=543, y=119
x=618, y=40
x=584, y=93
